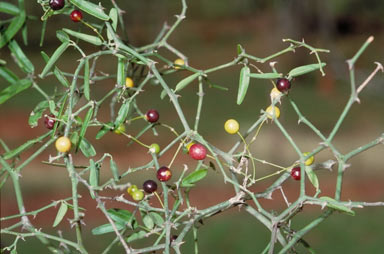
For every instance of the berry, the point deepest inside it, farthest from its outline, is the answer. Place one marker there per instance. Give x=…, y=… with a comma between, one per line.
x=296, y=173
x=129, y=82
x=198, y=152
x=164, y=174
x=272, y=111
x=150, y=186
x=120, y=129
x=138, y=195
x=56, y=4
x=76, y=15
x=49, y=122
x=63, y=144
x=152, y=115
x=310, y=160
x=132, y=189
x=231, y=126
x=178, y=61
x=283, y=85
x=154, y=148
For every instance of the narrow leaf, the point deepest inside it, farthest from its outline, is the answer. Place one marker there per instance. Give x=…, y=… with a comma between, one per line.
x=56, y=55
x=332, y=203
x=14, y=89
x=60, y=214
x=184, y=82
x=194, y=177
x=270, y=75
x=305, y=69
x=91, y=8
x=243, y=84
x=85, y=37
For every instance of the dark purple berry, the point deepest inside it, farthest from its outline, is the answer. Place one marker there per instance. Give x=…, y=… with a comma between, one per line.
x=150, y=186
x=49, y=122
x=283, y=85
x=197, y=151
x=164, y=174
x=152, y=115
x=296, y=173
x=56, y=4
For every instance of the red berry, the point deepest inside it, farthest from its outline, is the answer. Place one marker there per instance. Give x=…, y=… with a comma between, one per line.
x=283, y=85
x=76, y=15
x=49, y=122
x=152, y=115
x=164, y=174
x=296, y=173
x=198, y=152
x=56, y=4
x=150, y=186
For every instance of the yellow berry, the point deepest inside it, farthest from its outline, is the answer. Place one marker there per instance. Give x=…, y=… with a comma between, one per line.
x=231, y=126
x=129, y=82
x=310, y=160
x=63, y=144
x=178, y=61
x=272, y=111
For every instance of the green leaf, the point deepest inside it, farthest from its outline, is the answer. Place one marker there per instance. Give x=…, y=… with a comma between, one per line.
x=106, y=228
x=56, y=55
x=60, y=214
x=114, y=169
x=24, y=146
x=243, y=84
x=136, y=236
x=270, y=75
x=305, y=69
x=148, y=222
x=85, y=37
x=8, y=75
x=9, y=8
x=104, y=130
x=12, y=29
x=58, y=73
x=91, y=8
x=332, y=203
x=86, y=80
x=120, y=71
x=186, y=81
x=312, y=177
x=37, y=113
x=194, y=177
x=86, y=148
x=14, y=89
x=123, y=113
x=85, y=124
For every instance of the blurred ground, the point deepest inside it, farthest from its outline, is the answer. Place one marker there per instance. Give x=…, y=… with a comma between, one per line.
x=208, y=37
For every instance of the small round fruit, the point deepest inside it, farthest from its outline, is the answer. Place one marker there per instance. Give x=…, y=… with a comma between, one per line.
x=150, y=186
x=164, y=174
x=296, y=173
x=49, y=122
x=76, y=16
x=283, y=85
x=231, y=126
x=310, y=160
x=272, y=111
x=138, y=195
x=154, y=148
x=132, y=189
x=120, y=129
x=152, y=115
x=56, y=4
x=63, y=144
x=198, y=152
x=178, y=61
x=129, y=82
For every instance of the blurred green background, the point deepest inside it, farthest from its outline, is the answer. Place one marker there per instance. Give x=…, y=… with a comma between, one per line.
x=208, y=37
